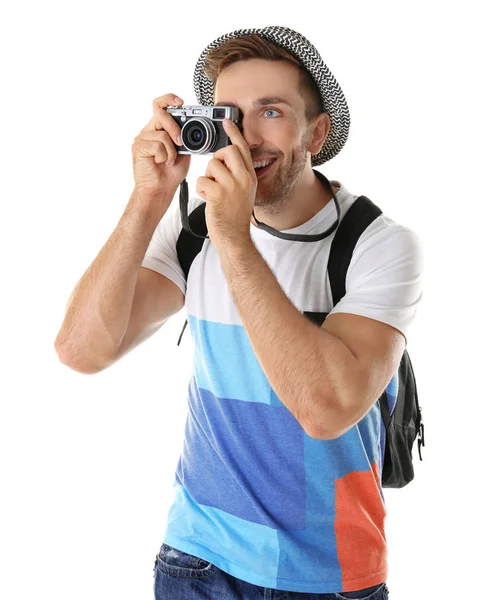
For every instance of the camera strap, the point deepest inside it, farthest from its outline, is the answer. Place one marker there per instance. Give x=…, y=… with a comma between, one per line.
x=183, y=207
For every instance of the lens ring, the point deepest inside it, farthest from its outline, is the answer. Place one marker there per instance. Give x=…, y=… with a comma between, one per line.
x=210, y=135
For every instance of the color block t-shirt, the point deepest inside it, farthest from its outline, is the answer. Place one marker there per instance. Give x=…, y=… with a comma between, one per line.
x=253, y=493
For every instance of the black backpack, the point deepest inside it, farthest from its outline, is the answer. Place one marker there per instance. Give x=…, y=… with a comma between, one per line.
x=405, y=422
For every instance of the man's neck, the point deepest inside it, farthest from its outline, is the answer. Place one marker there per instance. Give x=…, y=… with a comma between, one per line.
x=308, y=200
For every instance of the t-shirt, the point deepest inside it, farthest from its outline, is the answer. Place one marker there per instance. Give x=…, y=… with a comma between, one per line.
x=253, y=493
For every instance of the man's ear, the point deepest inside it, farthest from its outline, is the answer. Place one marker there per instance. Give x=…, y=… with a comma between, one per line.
x=320, y=128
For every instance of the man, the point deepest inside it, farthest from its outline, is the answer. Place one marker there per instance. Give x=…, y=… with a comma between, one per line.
x=279, y=483
x=278, y=488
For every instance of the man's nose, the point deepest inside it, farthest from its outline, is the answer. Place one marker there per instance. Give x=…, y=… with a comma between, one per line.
x=251, y=133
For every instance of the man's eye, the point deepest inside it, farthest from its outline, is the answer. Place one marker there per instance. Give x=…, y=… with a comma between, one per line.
x=271, y=110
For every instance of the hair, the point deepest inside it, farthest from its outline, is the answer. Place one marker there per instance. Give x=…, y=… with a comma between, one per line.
x=255, y=46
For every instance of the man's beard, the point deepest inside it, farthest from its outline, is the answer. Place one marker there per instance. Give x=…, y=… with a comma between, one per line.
x=274, y=192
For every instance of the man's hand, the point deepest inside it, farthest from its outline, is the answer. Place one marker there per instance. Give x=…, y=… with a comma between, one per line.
x=229, y=189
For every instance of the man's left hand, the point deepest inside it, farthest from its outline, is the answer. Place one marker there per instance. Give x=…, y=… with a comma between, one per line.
x=229, y=189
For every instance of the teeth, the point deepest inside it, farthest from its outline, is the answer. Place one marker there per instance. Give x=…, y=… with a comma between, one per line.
x=263, y=163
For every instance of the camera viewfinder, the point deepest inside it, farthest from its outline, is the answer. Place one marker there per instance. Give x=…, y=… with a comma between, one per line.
x=219, y=113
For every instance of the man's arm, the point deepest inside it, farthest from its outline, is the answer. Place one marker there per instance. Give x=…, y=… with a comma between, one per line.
x=98, y=311
x=309, y=368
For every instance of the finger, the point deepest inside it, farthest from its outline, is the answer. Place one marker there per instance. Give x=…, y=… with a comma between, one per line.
x=236, y=137
x=219, y=171
x=146, y=149
x=161, y=119
x=206, y=188
x=169, y=153
x=233, y=159
x=158, y=105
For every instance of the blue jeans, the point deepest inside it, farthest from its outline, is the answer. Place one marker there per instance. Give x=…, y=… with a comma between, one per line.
x=182, y=576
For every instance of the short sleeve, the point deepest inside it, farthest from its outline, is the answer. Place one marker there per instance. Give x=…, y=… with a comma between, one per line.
x=161, y=254
x=385, y=277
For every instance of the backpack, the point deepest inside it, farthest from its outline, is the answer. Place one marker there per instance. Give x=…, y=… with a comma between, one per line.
x=402, y=415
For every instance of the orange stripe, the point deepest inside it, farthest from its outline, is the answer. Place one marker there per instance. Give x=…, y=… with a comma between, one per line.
x=359, y=530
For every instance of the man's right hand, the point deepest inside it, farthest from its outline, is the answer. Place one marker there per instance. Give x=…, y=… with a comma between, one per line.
x=157, y=167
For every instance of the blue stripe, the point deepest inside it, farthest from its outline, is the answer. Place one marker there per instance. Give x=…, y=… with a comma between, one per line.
x=234, y=451
x=223, y=355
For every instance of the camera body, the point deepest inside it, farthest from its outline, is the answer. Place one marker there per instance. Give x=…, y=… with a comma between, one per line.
x=202, y=130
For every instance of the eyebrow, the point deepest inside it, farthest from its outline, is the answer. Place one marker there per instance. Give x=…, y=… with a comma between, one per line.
x=260, y=102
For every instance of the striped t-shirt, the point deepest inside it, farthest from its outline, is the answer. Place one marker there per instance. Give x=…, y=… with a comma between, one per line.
x=253, y=493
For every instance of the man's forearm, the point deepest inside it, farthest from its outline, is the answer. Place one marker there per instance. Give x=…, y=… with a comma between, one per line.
x=306, y=366
x=99, y=307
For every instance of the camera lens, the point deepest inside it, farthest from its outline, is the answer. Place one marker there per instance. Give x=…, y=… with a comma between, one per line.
x=198, y=135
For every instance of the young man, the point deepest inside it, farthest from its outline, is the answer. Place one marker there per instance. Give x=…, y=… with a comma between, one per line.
x=279, y=482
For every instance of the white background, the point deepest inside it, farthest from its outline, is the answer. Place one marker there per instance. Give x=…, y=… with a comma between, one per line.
x=87, y=461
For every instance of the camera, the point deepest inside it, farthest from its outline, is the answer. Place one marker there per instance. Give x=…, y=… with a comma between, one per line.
x=202, y=130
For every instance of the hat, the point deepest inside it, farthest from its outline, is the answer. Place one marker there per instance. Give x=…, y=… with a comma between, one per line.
x=334, y=102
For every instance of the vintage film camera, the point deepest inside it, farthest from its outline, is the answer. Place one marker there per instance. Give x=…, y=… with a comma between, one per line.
x=202, y=131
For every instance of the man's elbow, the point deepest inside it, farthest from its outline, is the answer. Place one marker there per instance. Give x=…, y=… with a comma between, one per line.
x=323, y=427
x=320, y=433
x=80, y=366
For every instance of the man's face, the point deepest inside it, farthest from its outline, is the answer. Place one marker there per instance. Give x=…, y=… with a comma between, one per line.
x=272, y=130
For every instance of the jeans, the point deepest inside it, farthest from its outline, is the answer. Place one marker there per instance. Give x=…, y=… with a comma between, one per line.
x=182, y=576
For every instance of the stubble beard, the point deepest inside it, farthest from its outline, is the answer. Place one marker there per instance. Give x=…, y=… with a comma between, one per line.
x=274, y=194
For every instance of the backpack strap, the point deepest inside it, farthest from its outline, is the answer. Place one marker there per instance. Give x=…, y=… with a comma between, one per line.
x=359, y=216
x=189, y=245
